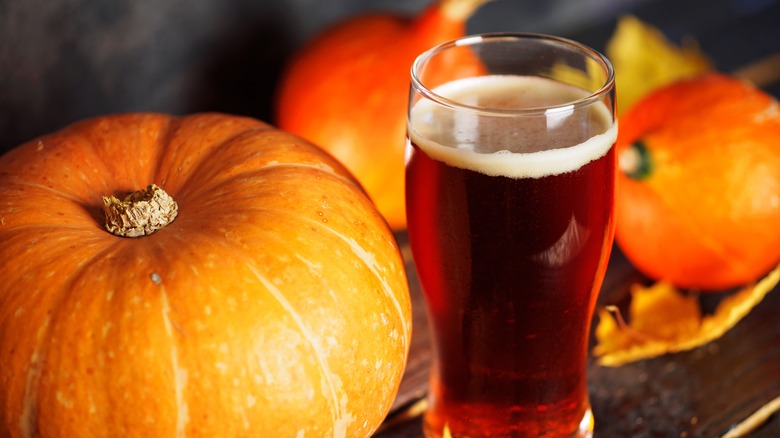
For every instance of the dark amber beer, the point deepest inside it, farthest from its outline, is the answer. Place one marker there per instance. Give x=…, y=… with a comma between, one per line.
x=511, y=229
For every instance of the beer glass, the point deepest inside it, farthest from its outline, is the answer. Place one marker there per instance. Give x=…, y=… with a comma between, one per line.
x=510, y=168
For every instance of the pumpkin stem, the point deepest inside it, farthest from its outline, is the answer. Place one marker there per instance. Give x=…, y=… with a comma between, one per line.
x=460, y=10
x=140, y=213
x=636, y=161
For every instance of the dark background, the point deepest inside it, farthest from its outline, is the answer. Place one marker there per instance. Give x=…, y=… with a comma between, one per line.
x=64, y=60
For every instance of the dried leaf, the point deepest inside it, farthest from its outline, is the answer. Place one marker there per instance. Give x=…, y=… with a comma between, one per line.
x=663, y=313
x=644, y=59
x=588, y=79
x=664, y=320
x=755, y=420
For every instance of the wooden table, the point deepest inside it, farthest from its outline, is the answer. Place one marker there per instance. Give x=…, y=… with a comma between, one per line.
x=700, y=393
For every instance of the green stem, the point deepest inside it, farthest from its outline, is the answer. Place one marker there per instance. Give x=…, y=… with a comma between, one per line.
x=636, y=161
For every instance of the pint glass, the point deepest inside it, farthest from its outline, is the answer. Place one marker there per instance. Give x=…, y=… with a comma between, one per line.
x=510, y=169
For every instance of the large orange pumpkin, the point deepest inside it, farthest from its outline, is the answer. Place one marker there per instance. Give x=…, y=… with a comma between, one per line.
x=274, y=304
x=698, y=203
x=347, y=91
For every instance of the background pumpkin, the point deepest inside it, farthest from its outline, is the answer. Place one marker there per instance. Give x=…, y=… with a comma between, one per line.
x=698, y=201
x=275, y=304
x=347, y=91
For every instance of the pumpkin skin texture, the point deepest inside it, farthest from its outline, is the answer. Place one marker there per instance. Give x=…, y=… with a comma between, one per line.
x=275, y=304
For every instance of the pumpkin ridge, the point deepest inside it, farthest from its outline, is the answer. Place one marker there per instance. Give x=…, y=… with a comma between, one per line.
x=27, y=424
x=337, y=416
x=163, y=140
x=353, y=246
x=179, y=373
x=33, y=226
x=108, y=166
x=324, y=168
x=205, y=159
x=364, y=257
x=357, y=193
x=76, y=131
x=52, y=190
x=336, y=413
x=27, y=419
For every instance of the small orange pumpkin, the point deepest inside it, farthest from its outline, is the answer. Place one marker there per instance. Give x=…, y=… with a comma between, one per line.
x=274, y=304
x=698, y=203
x=347, y=91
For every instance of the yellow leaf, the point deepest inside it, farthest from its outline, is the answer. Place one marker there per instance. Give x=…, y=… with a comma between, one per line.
x=644, y=59
x=662, y=312
x=665, y=320
x=591, y=78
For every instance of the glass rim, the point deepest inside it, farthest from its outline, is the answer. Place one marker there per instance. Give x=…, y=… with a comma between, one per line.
x=470, y=40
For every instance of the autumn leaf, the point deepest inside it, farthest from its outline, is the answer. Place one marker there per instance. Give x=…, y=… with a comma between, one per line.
x=665, y=320
x=644, y=59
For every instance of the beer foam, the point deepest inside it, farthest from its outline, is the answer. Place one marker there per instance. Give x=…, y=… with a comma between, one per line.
x=459, y=139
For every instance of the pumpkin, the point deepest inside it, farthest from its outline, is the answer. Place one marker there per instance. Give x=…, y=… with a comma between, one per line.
x=348, y=88
x=275, y=302
x=698, y=200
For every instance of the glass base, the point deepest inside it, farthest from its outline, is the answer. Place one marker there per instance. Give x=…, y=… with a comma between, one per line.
x=586, y=425
x=585, y=430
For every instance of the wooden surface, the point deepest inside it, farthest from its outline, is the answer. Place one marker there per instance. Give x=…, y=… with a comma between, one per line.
x=699, y=393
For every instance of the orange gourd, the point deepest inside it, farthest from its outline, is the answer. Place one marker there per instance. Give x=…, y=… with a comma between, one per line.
x=698, y=203
x=347, y=91
x=274, y=304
